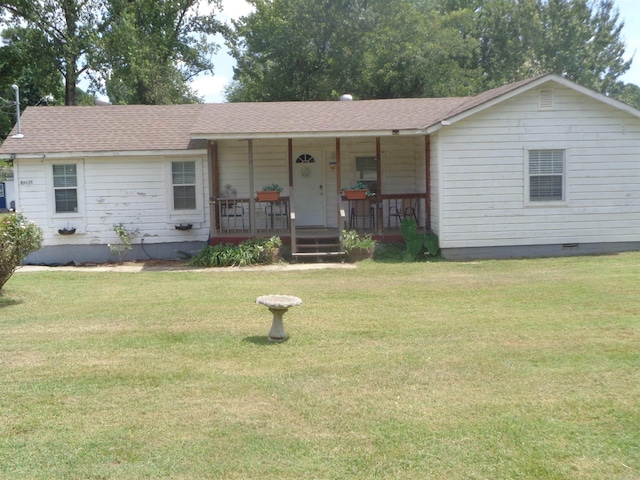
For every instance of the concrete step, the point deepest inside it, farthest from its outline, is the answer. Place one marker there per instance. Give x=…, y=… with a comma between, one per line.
x=317, y=254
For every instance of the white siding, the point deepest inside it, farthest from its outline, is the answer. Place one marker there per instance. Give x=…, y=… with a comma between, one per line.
x=133, y=191
x=483, y=175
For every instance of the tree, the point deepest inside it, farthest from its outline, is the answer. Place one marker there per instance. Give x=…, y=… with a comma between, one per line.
x=57, y=33
x=36, y=83
x=151, y=49
x=627, y=93
x=142, y=51
x=308, y=49
x=311, y=49
x=578, y=39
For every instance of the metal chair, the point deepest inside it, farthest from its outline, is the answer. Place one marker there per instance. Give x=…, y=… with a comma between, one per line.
x=279, y=211
x=401, y=208
x=233, y=212
x=362, y=209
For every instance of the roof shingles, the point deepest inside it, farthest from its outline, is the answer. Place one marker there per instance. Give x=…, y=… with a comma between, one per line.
x=124, y=128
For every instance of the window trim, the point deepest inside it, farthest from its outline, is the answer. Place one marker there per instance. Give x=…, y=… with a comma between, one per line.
x=73, y=187
x=528, y=202
x=80, y=190
x=193, y=215
x=185, y=184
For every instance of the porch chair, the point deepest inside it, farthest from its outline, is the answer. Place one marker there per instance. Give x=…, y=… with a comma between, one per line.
x=233, y=213
x=401, y=208
x=278, y=211
x=362, y=209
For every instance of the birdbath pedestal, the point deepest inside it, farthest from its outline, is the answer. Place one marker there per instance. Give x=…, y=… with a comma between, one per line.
x=278, y=305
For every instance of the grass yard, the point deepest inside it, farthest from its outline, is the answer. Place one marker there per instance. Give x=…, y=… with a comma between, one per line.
x=525, y=369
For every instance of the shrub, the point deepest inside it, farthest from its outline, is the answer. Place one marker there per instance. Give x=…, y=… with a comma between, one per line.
x=417, y=243
x=256, y=251
x=351, y=240
x=126, y=237
x=18, y=238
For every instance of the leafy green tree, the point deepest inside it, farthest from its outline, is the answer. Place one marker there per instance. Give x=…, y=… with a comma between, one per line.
x=309, y=49
x=151, y=49
x=56, y=34
x=578, y=39
x=627, y=93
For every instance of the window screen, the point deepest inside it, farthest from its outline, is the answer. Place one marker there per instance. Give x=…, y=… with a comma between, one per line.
x=65, y=186
x=546, y=175
x=183, y=176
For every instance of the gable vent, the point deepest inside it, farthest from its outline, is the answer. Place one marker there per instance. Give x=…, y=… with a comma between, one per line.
x=545, y=99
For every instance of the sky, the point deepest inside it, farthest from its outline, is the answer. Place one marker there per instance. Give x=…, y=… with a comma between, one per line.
x=211, y=88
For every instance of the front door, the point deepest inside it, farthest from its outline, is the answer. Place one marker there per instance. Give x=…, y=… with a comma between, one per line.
x=308, y=188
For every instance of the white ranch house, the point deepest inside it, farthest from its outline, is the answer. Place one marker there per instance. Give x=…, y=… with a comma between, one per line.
x=538, y=167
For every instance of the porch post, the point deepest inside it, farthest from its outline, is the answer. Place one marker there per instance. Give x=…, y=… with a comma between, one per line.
x=379, y=209
x=252, y=196
x=292, y=208
x=338, y=172
x=214, y=186
x=427, y=195
x=290, y=161
x=339, y=182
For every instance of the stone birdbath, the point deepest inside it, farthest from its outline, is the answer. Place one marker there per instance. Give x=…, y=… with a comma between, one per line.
x=278, y=305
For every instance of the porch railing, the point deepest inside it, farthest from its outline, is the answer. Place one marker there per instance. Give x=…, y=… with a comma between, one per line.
x=385, y=212
x=379, y=214
x=234, y=216
x=395, y=207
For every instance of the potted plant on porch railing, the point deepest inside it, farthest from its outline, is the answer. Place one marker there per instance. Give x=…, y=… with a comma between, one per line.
x=359, y=191
x=269, y=193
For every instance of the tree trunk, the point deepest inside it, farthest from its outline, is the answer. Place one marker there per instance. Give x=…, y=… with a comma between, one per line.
x=70, y=80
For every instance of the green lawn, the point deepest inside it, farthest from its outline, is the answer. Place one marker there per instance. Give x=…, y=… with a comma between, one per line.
x=525, y=369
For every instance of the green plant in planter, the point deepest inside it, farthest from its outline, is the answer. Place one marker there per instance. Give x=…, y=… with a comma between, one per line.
x=357, y=186
x=353, y=243
x=272, y=187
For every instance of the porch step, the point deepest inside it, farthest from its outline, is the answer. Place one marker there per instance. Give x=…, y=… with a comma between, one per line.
x=318, y=247
x=312, y=246
x=317, y=254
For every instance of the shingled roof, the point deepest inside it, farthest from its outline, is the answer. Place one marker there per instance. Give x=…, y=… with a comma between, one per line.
x=135, y=128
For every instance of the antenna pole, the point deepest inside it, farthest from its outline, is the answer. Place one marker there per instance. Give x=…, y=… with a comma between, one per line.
x=17, y=90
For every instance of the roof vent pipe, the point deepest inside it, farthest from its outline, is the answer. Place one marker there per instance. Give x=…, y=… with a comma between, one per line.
x=346, y=97
x=17, y=90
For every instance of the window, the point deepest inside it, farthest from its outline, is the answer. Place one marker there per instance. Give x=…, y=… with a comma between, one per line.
x=183, y=175
x=65, y=186
x=546, y=175
x=367, y=172
x=305, y=158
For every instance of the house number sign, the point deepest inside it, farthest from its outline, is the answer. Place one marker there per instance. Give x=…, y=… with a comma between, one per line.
x=26, y=182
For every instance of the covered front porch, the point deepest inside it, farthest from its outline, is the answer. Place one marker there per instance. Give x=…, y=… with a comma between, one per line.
x=313, y=172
